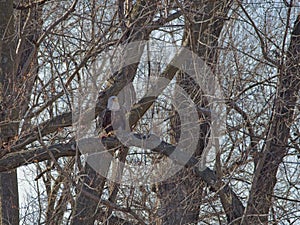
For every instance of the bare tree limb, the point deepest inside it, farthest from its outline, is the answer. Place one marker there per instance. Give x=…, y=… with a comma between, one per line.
x=17, y=159
x=30, y=5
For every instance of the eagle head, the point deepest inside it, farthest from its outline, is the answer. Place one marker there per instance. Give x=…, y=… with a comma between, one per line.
x=113, y=103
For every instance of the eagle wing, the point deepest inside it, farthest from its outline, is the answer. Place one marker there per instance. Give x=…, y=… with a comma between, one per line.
x=109, y=121
x=103, y=122
x=118, y=119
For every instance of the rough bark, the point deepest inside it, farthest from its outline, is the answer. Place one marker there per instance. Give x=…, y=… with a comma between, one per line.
x=181, y=195
x=275, y=147
x=9, y=202
x=18, y=70
x=87, y=209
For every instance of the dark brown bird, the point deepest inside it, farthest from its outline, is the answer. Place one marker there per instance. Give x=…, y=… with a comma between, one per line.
x=113, y=117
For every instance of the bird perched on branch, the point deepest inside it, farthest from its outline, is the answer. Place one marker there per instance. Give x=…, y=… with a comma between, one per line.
x=112, y=118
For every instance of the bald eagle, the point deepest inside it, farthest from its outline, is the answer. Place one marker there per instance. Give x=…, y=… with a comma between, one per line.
x=113, y=117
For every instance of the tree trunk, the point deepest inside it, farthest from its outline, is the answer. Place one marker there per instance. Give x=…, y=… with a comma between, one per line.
x=17, y=75
x=9, y=201
x=275, y=148
x=9, y=198
x=181, y=195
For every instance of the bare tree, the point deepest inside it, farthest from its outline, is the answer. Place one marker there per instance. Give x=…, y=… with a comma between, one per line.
x=50, y=50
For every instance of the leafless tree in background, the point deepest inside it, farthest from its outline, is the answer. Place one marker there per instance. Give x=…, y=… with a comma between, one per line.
x=49, y=48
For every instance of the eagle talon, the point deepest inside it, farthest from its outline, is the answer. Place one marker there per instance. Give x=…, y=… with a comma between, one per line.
x=110, y=134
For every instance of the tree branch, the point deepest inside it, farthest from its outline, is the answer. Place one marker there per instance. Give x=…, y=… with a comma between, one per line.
x=17, y=159
x=30, y=5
